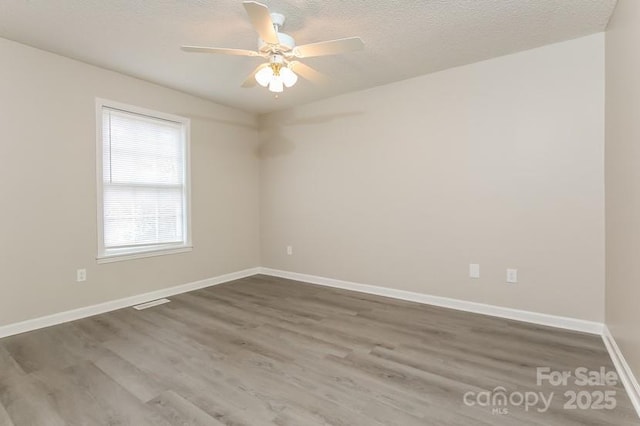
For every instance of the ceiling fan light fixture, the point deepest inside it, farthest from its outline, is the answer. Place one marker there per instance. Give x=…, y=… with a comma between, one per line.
x=289, y=78
x=276, y=75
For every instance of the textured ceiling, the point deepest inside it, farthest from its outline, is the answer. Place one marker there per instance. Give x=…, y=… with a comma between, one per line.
x=403, y=38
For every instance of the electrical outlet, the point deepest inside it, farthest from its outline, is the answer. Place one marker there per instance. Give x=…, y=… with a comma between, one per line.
x=512, y=275
x=289, y=250
x=81, y=275
x=474, y=270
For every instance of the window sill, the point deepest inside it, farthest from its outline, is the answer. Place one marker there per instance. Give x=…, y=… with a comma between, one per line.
x=142, y=254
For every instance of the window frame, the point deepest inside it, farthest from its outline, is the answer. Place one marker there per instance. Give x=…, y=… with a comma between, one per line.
x=113, y=255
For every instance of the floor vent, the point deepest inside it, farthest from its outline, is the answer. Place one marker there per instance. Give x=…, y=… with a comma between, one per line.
x=151, y=304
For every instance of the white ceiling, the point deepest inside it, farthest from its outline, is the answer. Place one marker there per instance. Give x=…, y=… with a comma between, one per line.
x=403, y=38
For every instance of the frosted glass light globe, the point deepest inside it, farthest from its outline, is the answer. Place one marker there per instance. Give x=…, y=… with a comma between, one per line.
x=264, y=76
x=289, y=78
x=276, y=84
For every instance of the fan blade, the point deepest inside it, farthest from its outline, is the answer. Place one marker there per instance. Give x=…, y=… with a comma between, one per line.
x=236, y=52
x=308, y=73
x=261, y=21
x=251, y=79
x=331, y=47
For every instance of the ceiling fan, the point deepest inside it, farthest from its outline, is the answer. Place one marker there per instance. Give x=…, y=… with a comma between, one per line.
x=283, y=67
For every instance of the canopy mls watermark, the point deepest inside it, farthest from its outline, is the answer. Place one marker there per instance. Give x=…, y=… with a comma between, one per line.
x=589, y=390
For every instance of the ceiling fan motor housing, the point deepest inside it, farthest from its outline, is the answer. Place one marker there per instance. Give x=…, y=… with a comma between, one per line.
x=286, y=43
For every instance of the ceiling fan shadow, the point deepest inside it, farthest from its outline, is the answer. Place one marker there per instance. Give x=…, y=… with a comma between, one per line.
x=224, y=121
x=319, y=119
x=274, y=141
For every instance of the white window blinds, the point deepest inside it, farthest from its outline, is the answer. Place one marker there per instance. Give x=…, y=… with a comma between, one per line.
x=144, y=193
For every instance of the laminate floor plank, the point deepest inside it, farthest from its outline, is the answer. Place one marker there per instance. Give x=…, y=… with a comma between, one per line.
x=27, y=403
x=179, y=411
x=9, y=368
x=98, y=327
x=83, y=394
x=141, y=384
x=316, y=375
x=5, y=420
x=269, y=351
x=194, y=374
x=43, y=349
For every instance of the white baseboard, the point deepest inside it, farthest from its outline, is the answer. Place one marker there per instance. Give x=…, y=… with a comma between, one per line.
x=62, y=317
x=574, y=324
x=624, y=370
x=462, y=305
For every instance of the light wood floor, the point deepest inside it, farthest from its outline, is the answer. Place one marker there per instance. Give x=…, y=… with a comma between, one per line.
x=263, y=351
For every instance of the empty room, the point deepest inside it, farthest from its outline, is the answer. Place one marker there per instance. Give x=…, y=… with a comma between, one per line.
x=316, y=212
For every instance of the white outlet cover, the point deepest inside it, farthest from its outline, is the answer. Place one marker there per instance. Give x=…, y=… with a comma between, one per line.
x=474, y=270
x=512, y=275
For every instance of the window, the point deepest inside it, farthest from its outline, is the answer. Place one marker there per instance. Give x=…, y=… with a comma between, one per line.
x=143, y=184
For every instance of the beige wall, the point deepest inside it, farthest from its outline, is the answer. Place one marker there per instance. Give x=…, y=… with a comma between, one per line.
x=498, y=163
x=623, y=179
x=48, y=187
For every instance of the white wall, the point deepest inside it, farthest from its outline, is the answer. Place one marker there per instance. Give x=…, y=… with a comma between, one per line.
x=623, y=179
x=48, y=187
x=498, y=163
